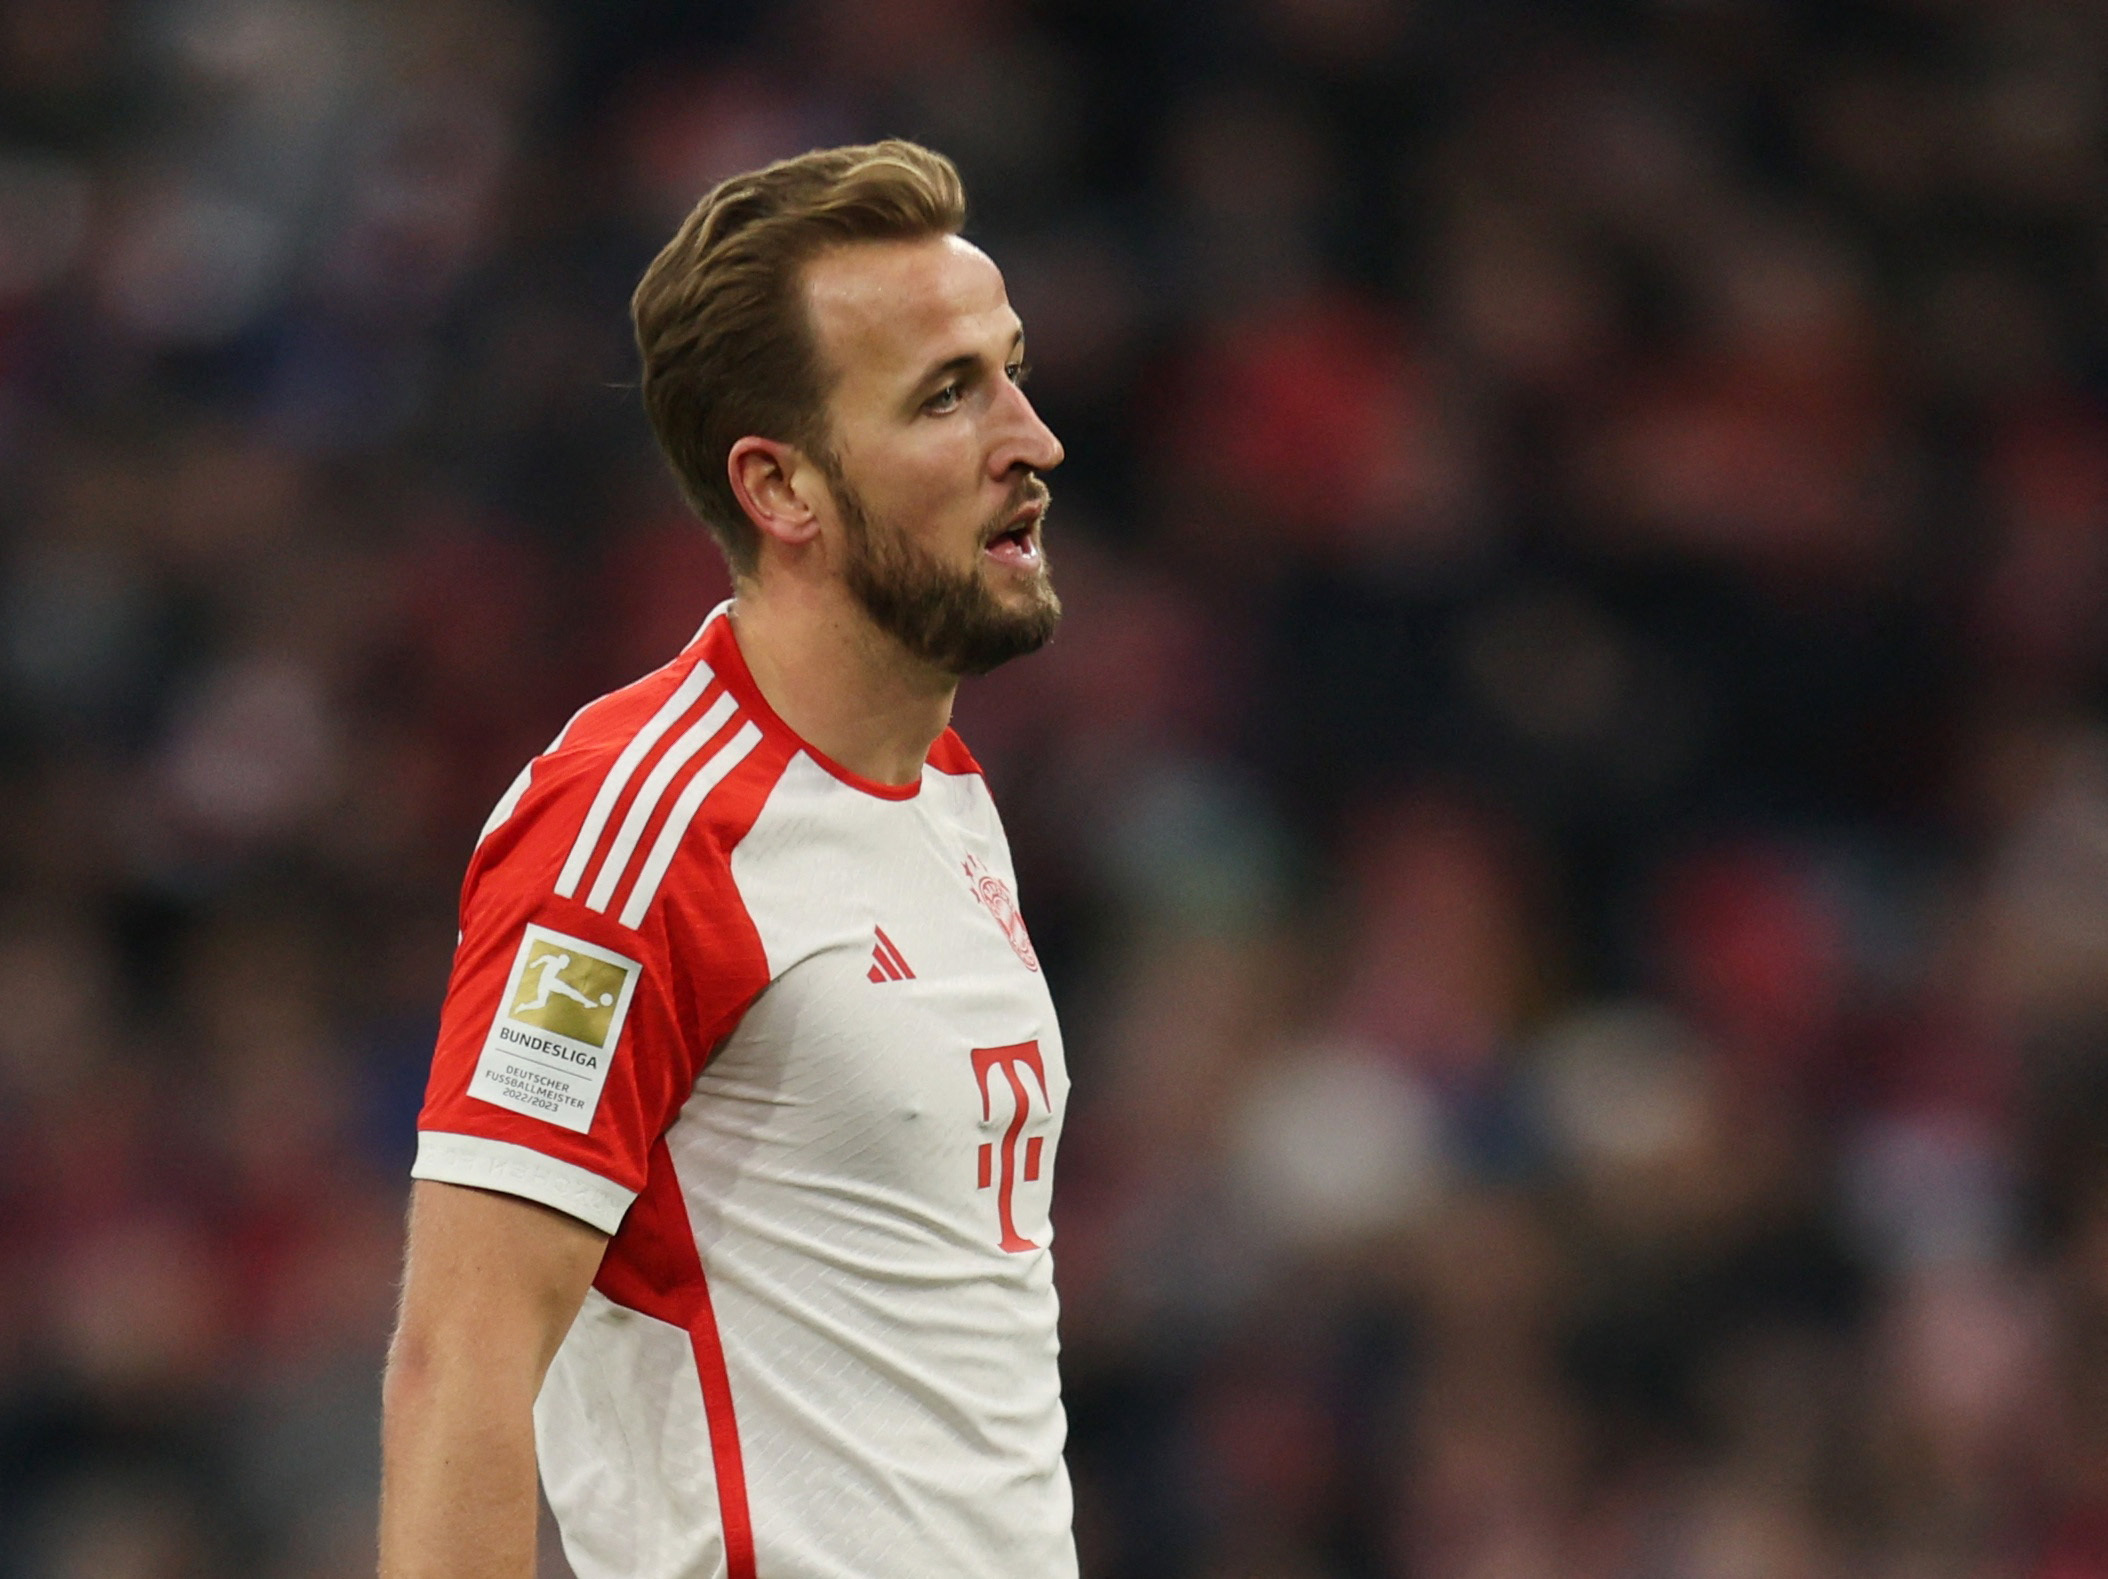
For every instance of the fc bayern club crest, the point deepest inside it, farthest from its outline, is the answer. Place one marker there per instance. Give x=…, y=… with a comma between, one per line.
x=995, y=894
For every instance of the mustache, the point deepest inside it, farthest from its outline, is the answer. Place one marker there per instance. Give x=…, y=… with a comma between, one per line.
x=1031, y=491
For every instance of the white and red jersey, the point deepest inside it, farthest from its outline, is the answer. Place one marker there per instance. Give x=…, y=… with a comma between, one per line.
x=780, y=1031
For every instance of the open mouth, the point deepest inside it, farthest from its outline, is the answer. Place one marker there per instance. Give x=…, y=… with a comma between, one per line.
x=1017, y=544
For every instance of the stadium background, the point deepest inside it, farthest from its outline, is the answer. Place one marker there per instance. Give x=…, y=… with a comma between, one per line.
x=1568, y=820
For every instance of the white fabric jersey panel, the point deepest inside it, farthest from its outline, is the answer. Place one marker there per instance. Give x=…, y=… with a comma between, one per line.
x=622, y=1432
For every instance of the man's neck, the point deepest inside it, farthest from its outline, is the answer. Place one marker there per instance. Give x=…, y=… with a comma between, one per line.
x=845, y=687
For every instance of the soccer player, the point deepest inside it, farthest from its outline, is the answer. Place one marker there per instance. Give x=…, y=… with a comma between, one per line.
x=732, y=1177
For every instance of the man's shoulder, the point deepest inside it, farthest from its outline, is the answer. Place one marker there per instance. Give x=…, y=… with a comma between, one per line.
x=560, y=781
x=664, y=771
x=630, y=719
x=949, y=755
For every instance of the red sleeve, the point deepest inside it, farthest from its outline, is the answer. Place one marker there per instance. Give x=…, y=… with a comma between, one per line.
x=568, y=1042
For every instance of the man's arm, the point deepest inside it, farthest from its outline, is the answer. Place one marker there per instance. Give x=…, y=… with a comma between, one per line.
x=491, y=1285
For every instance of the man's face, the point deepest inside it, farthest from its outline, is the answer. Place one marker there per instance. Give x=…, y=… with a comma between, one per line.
x=936, y=451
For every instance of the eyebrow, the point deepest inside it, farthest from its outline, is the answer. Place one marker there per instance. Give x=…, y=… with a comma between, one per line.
x=965, y=362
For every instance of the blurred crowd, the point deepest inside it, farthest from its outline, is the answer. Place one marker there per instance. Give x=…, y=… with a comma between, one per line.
x=1568, y=819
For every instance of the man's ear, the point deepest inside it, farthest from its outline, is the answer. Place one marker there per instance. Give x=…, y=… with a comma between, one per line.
x=774, y=484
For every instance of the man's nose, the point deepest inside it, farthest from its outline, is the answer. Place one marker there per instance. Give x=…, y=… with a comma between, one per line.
x=1029, y=442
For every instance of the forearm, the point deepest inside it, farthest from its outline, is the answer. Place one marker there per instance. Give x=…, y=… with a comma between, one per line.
x=458, y=1469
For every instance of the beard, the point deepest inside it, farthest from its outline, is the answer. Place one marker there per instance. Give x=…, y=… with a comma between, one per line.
x=950, y=619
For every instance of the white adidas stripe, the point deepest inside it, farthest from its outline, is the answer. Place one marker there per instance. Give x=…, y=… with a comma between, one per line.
x=616, y=861
x=707, y=778
x=611, y=787
x=509, y=802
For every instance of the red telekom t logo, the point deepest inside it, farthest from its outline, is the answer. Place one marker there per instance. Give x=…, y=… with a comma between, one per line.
x=1021, y=1055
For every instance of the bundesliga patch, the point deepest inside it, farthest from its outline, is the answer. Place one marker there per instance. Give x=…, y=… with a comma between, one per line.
x=548, y=1051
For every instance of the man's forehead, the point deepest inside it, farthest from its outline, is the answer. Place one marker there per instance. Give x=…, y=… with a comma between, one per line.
x=896, y=304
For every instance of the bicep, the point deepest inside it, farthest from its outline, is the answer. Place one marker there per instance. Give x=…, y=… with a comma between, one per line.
x=496, y=1271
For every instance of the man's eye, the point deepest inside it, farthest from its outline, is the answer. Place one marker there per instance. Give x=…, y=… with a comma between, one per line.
x=1018, y=372
x=946, y=398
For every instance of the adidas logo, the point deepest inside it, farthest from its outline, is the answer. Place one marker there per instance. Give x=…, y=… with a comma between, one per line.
x=887, y=962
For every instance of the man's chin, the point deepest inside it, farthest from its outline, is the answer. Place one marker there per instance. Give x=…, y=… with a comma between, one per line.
x=1023, y=626
x=1017, y=591
x=1032, y=600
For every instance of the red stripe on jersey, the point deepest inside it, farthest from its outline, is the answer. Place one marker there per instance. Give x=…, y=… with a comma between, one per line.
x=892, y=953
x=700, y=891
x=728, y=816
x=652, y=1266
x=948, y=754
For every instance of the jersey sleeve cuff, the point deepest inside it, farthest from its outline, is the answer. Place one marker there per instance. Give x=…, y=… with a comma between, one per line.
x=448, y=1158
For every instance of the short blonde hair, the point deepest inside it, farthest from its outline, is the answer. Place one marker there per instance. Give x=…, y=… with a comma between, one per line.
x=720, y=318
